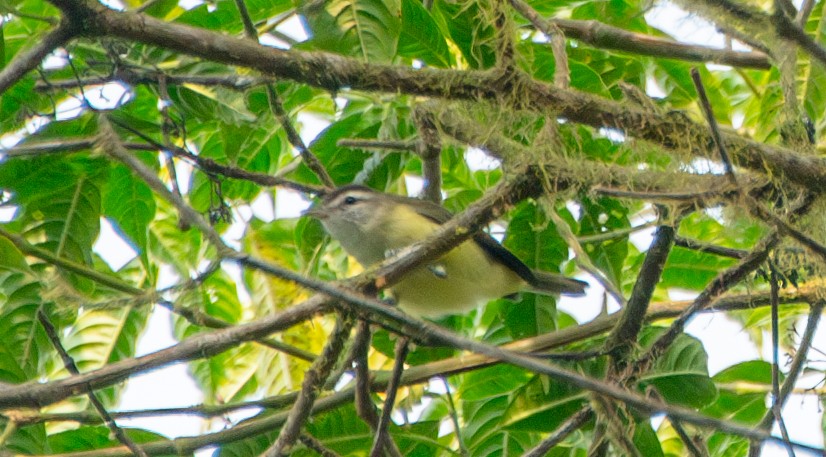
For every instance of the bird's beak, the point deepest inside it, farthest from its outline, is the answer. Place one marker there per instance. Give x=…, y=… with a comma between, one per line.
x=315, y=212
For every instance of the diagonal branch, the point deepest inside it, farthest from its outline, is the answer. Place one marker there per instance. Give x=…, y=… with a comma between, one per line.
x=382, y=432
x=314, y=378
x=797, y=365
x=277, y=108
x=71, y=367
x=714, y=289
x=29, y=59
x=624, y=336
x=574, y=422
x=604, y=36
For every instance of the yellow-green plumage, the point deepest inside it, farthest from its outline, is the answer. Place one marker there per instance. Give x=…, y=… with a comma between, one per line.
x=471, y=276
x=370, y=225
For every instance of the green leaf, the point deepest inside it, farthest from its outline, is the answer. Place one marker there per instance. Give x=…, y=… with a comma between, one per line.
x=543, y=404
x=24, y=344
x=89, y=438
x=365, y=29
x=231, y=374
x=218, y=15
x=600, y=216
x=681, y=374
x=247, y=147
x=491, y=382
x=470, y=30
x=343, y=165
x=738, y=405
x=692, y=270
x=208, y=104
x=385, y=342
x=30, y=440
x=533, y=315
x=421, y=38
x=483, y=431
x=130, y=204
x=646, y=440
x=166, y=239
x=59, y=204
x=626, y=14
x=534, y=240
x=228, y=376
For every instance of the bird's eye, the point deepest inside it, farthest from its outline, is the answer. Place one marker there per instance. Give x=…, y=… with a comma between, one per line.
x=350, y=200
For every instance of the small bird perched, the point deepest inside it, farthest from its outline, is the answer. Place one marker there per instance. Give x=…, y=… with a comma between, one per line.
x=371, y=225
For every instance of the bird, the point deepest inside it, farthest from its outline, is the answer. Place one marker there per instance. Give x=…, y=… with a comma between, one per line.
x=372, y=225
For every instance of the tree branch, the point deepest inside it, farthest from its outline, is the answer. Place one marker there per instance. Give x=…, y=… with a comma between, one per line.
x=29, y=59
x=314, y=378
x=71, y=367
x=574, y=422
x=336, y=73
x=604, y=36
x=624, y=336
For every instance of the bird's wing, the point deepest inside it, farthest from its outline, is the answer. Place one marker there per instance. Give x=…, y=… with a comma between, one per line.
x=493, y=248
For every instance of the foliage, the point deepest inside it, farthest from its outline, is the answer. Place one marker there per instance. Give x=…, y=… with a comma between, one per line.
x=210, y=124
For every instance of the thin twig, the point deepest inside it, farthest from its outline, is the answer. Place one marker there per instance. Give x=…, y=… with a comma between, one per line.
x=454, y=418
x=309, y=158
x=795, y=369
x=714, y=289
x=138, y=76
x=210, y=166
x=804, y=12
x=313, y=443
x=314, y=378
x=775, y=322
x=395, y=145
x=604, y=36
x=562, y=71
x=582, y=259
x=614, y=234
x=277, y=108
x=616, y=420
x=249, y=28
x=788, y=29
x=573, y=423
x=710, y=248
x=504, y=35
x=785, y=228
x=690, y=445
x=27, y=60
x=697, y=198
x=382, y=432
x=166, y=125
x=712, y=123
x=365, y=407
x=755, y=207
x=71, y=367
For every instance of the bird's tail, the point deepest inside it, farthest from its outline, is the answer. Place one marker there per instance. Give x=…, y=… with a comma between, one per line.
x=545, y=283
